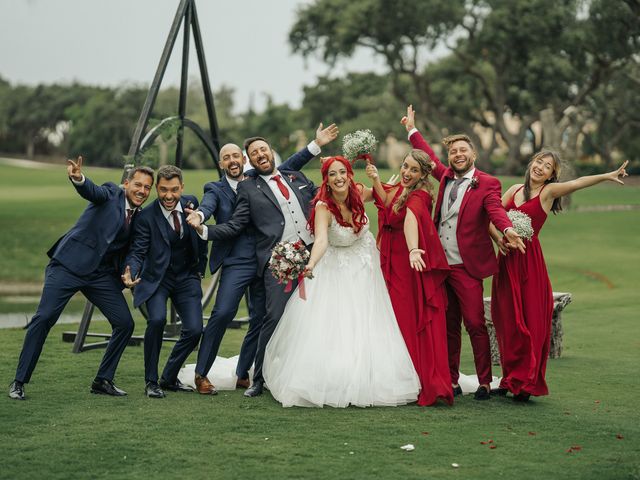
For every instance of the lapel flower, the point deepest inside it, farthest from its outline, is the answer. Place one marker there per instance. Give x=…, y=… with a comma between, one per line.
x=190, y=205
x=474, y=183
x=292, y=177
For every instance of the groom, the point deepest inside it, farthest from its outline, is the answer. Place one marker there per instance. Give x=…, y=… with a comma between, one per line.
x=468, y=200
x=275, y=203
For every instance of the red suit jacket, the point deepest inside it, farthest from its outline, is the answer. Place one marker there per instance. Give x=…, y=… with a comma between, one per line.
x=481, y=204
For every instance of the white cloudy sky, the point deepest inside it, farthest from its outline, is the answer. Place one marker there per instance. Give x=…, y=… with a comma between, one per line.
x=111, y=42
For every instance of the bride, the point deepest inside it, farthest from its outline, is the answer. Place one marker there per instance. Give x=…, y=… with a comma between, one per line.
x=342, y=345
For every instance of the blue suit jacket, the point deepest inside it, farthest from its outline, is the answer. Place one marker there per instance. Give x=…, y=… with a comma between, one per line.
x=81, y=249
x=219, y=201
x=150, y=251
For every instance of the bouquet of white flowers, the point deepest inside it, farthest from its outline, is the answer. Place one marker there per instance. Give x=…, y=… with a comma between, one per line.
x=288, y=262
x=359, y=145
x=521, y=223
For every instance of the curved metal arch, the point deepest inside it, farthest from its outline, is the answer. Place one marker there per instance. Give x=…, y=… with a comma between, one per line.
x=153, y=133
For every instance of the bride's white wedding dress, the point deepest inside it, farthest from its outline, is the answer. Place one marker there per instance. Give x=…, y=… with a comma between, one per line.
x=342, y=346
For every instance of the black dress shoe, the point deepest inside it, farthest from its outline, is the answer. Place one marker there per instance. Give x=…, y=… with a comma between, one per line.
x=16, y=390
x=176, y=386
x=457, y=391
x=521, y=397
x=501, y=392
x=106, y=387
x=153, y=390
x=255, y=389
x=482, y=393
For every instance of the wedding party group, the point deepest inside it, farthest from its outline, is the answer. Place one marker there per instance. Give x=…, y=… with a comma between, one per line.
x=337, y=316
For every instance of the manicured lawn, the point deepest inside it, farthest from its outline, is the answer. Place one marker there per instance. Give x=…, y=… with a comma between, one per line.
x=63, y=431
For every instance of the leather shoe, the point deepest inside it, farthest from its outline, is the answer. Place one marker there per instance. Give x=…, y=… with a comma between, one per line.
x=106, y=387
x=153, y=390
x=243, y=383
x=521, y=397
x=482, y=393
x=502, y=392
x=176, y=386
x=457, y=391
x=16, y=390
x=255, y=389
x=204, y=386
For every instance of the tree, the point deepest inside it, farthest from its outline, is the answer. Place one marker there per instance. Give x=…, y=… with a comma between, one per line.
x=504, y=61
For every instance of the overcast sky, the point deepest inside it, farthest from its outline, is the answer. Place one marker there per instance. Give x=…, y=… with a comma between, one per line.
x=111, y=42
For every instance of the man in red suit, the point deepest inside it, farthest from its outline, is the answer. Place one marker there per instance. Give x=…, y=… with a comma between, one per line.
x=468, y=200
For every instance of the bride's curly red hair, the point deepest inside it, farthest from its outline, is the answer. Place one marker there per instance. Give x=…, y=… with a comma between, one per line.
x=353, y=203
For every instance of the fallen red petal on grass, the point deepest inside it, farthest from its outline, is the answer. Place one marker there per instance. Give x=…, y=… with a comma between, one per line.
x=425, y=433
x=570, y=451
x=577, y=448
x=490, y=441
x=492, y=446
x=483, y=443
x=532, y=433
x=619, y=436
x=597, y=401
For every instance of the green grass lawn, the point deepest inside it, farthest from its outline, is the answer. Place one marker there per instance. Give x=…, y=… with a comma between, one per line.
x=63, y=431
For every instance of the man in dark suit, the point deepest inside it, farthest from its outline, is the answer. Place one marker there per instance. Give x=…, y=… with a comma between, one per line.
x=167, y=260
x=87, y=259
x=275, y=204
x=237, y=258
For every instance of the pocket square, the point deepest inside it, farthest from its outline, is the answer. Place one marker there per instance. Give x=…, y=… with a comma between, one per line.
x=303, y=186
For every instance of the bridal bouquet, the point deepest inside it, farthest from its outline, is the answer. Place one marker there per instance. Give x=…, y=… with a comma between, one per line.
x=288, y=262
x=359, y=145
x=521, y=223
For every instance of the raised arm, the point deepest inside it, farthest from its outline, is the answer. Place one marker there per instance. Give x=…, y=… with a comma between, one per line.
x=323, y=136
x=418, y=141
x=556, y=190
x=321, y=242
x=372, y=173
x=85, y=187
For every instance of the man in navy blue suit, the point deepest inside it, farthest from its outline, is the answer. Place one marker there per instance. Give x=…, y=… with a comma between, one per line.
x=167, y=260
x=237, y=258
x=87, y=259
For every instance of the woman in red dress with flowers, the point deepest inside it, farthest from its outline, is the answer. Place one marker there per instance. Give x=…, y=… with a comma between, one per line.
x=521, y=295
x=414, y=267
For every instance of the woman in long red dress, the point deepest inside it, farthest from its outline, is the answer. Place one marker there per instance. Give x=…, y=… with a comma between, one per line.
x=521, y=295
x=414, y=267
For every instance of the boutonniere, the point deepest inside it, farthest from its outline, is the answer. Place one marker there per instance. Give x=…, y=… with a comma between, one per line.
x=292, y=177
x=474, y=183
x=190, y=205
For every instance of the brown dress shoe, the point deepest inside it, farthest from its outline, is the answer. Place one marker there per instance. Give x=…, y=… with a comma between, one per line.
x=204, y=386
x=243, y=383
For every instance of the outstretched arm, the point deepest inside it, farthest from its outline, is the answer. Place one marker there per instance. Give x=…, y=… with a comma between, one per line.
x=301, y=158
x=236, y=224
x=86, y=188
x=556, y=190
x=321, y=242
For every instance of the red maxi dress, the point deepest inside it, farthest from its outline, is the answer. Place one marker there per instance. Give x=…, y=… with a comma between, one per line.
x=419, y=298
x=521, y=309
